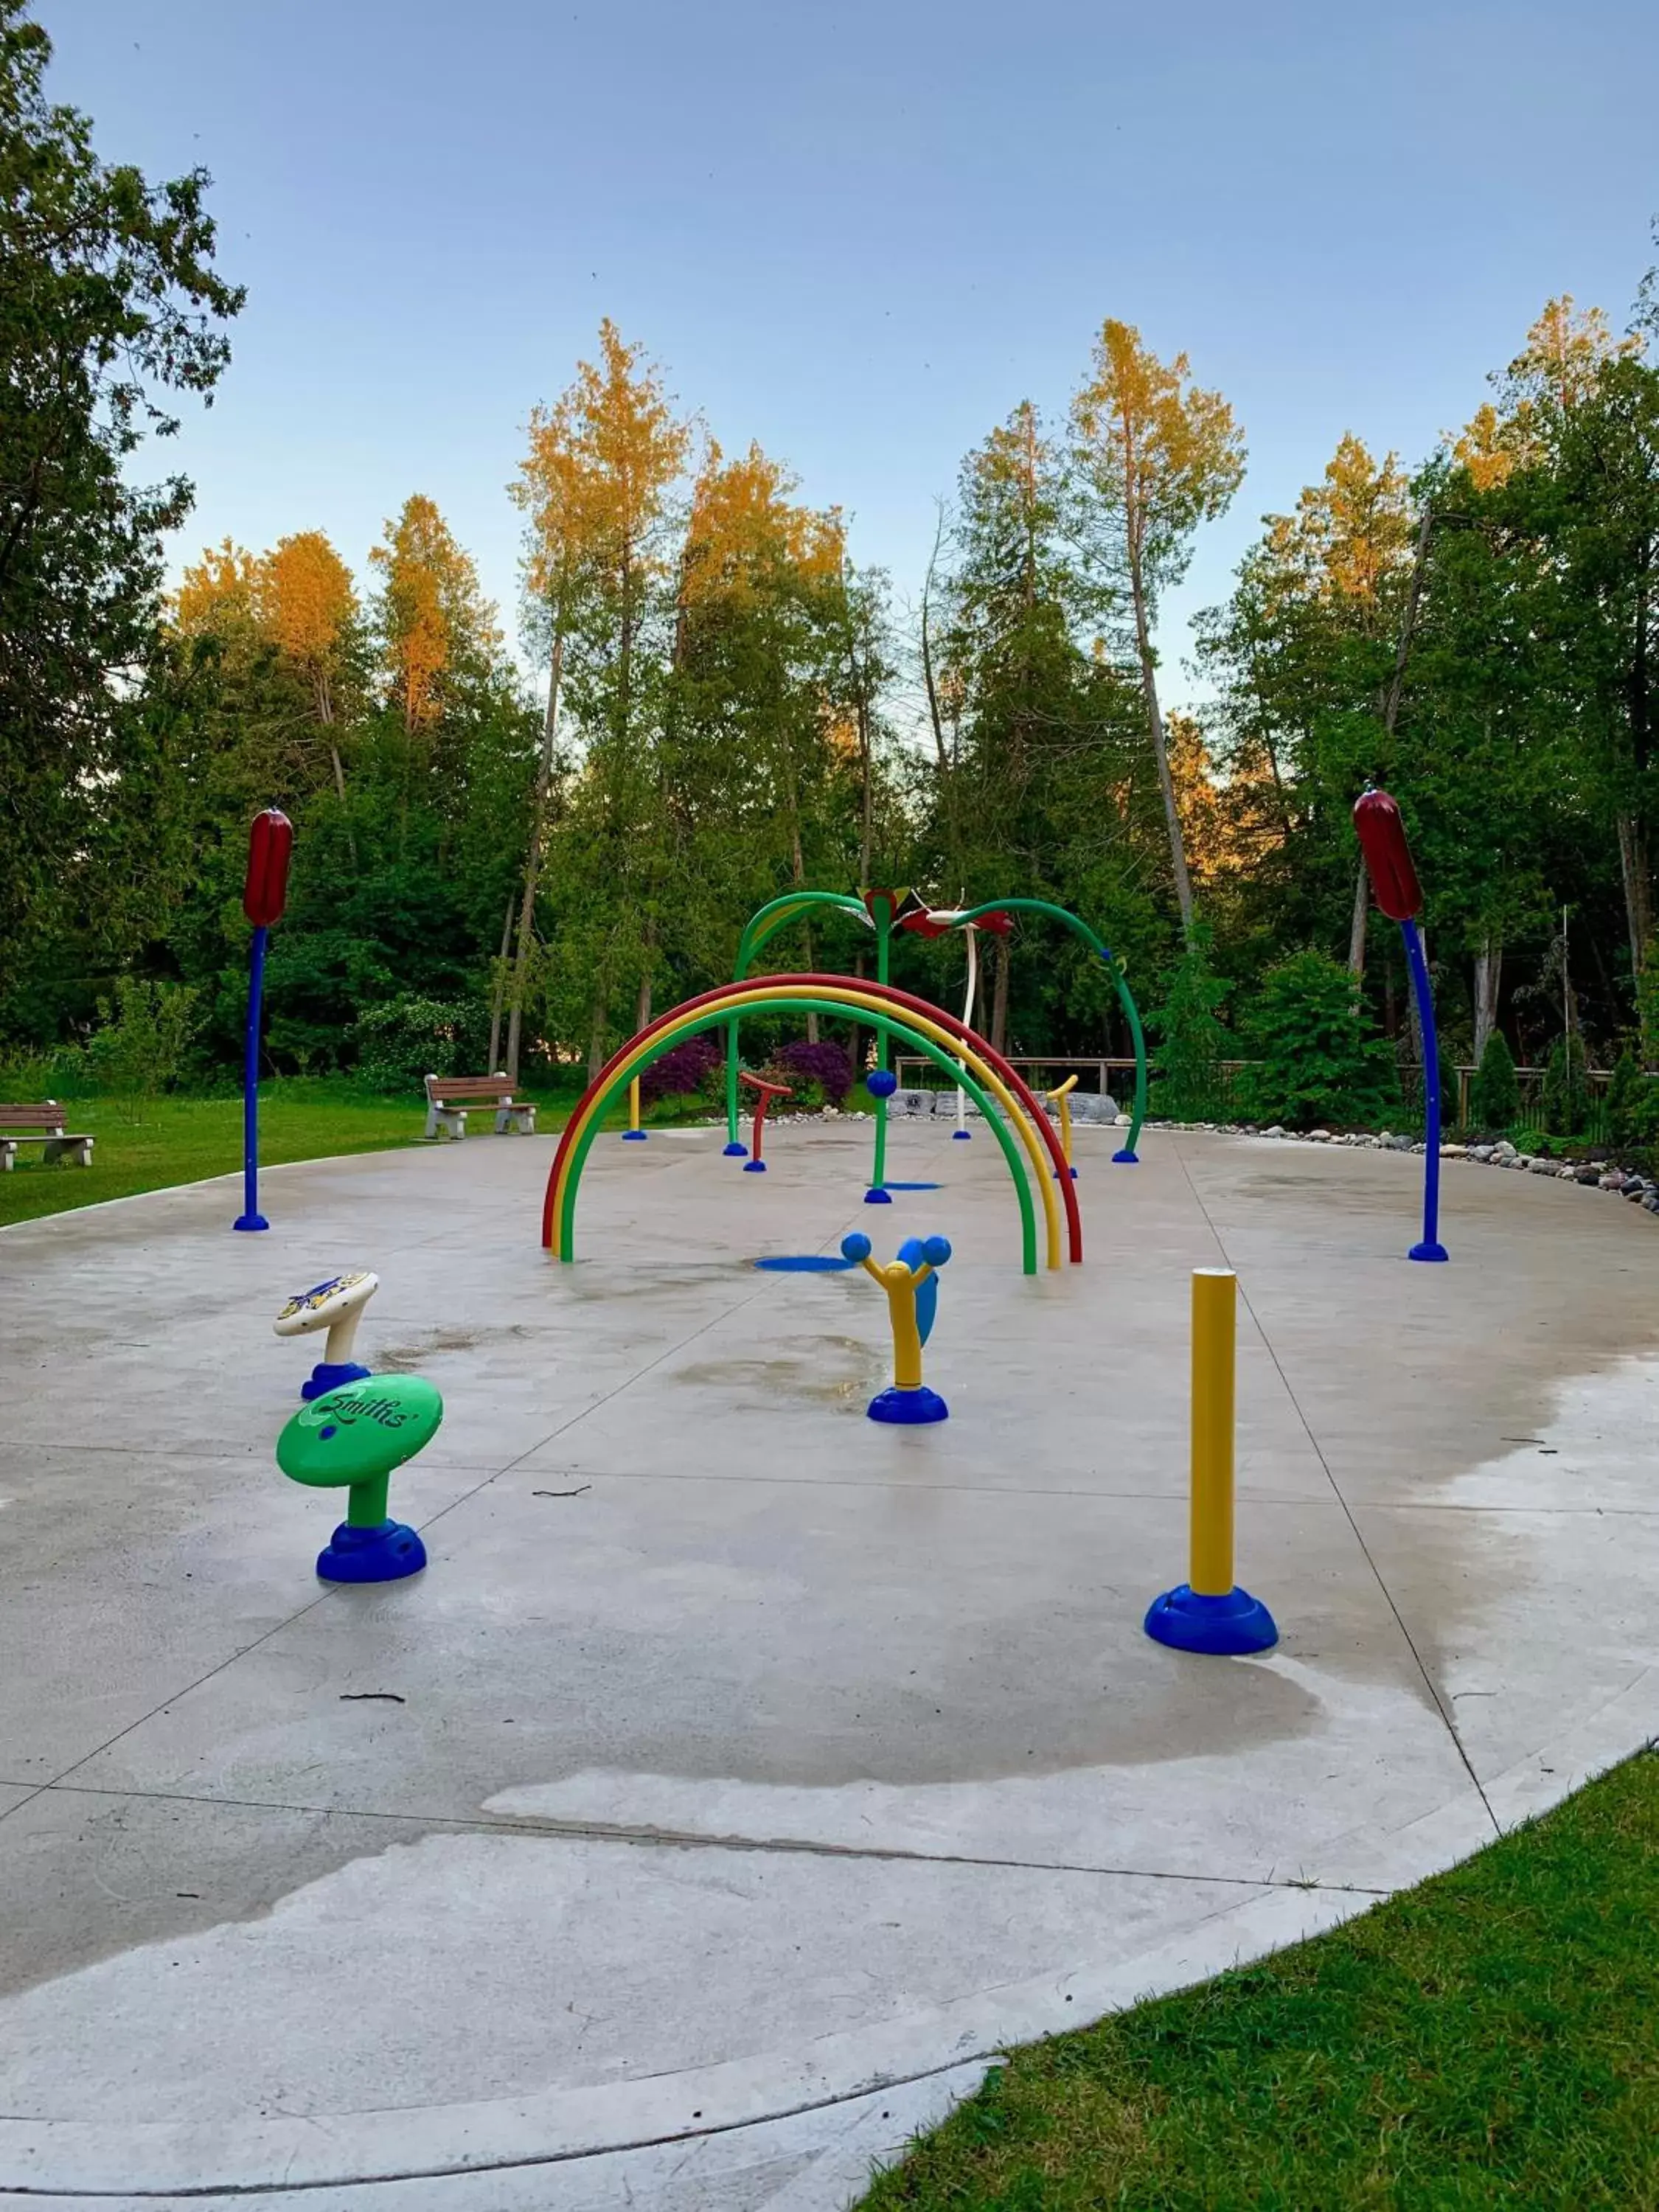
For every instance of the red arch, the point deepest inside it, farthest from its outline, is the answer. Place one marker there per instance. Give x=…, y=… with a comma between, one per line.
x=906, y=999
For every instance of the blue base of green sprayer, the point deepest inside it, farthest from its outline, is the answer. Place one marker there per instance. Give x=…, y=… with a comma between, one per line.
x=1187, y=1620
x=385, y=1554
x=734, y=1151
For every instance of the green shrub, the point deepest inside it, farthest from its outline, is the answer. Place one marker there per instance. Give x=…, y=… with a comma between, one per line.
x=409, y=1038
x=1319, y=1060
x=1495, y=1093
x=141, y=1043
x=1624, y=1092
x=1192, y=1042
x=1566, y=1088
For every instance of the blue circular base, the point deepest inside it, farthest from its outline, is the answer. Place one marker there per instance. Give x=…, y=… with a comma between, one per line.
x=1187, y=1621
x=634, y=1136
x=908, y=1409
x=960, y=1136
x=1428, y=1252
x=1072, y=1172
x=806, y=1263
x=250, y=1221
x=754, y=1167
x=734, y=1151
x=877, y=1198
x=1125, y=1158
x=385, y=1554
x=322, y=1377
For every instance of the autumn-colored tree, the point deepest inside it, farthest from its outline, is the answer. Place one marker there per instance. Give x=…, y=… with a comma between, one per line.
x=595, y=486
x=306, y=604
x=217, y=594
x=432, y=615
x=1159, y=456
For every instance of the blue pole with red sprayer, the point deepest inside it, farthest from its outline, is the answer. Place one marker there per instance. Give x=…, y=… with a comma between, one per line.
x=1394, y=879
x=265, y=892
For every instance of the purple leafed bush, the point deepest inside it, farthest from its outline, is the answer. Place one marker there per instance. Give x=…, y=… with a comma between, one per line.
x=826, y=1065
x=682, y=1073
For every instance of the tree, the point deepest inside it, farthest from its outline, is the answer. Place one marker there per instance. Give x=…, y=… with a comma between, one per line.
x=1495, y=1093
x=1319, y=1061
x=109, y=305
x=308, y=605
x=1158, y=457
x=432, y=616
x=596, y=485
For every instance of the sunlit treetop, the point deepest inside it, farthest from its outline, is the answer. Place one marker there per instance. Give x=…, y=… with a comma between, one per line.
x=744, y=528
x=1554, y=371
x=432, y=612
x=306, y=597
x=219, y=594
x=601, y=462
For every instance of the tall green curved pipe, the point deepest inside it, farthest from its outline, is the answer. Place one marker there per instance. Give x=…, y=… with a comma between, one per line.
x=805, y=1003
x=763, y=924
x=1080, y=928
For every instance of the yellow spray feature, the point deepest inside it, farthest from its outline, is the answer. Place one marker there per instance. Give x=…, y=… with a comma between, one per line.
x=1208, y=1612
x=1063, y=1099
x=912, y=1298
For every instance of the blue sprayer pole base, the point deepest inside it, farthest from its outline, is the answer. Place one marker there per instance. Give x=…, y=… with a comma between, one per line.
x=326, y=1376
x=634, y=1136
x=250, y=1216
x=385, y=1554
x=908, y=1409
x=1187, y=1621
x=1428, y=1252
x=754, y=1167
x=873, y=1197
x=960, y=1136
x=1125, y=1158
x=734, y=1151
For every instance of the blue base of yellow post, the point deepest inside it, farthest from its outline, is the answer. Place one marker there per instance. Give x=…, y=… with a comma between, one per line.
x=639, y=1136
x=909, y=1408
x=754, y=1167
x=1187, y=1621
x=385, y=1554
x=734, y=1151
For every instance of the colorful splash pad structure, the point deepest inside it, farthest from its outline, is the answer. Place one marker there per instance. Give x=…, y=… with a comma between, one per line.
x=886, y=911
x=335, y=1304
x=1012, y=1113
x=352, y=1439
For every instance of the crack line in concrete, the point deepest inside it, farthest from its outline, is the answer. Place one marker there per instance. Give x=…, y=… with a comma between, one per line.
x=681, y=1840
x=1440, y=1705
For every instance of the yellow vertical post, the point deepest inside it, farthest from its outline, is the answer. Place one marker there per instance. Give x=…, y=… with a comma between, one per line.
x=1209, y=1612
x=1215, y=1329
x=1063, y=1099
x=634, y=1104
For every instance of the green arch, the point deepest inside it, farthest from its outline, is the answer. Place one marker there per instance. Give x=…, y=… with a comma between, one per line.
x=763, y=925
x=807, y=1002
x=1080, y=928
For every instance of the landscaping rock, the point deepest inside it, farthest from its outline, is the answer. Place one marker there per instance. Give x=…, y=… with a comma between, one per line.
x=1503, y=1151
x=1277, y=1130
x=1454, y=1151
x=1481, y=1153
x=1319, y=1136
x=1544, y=1166
x=1586, y=1173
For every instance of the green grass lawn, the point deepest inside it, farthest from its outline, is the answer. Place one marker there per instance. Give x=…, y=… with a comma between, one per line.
x=183, y=1140
x=1489, y=2038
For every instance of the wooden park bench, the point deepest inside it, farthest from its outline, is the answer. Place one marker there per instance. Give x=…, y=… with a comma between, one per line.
x=43, y=1125
x=448, y=1096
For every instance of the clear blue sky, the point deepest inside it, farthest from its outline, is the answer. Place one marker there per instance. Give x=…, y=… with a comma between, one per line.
x=862, y=230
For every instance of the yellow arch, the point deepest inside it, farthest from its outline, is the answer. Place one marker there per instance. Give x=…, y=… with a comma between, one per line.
x=867, y=1002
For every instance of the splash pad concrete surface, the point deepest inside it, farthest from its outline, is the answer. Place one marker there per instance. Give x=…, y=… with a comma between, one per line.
x=741, y=1775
